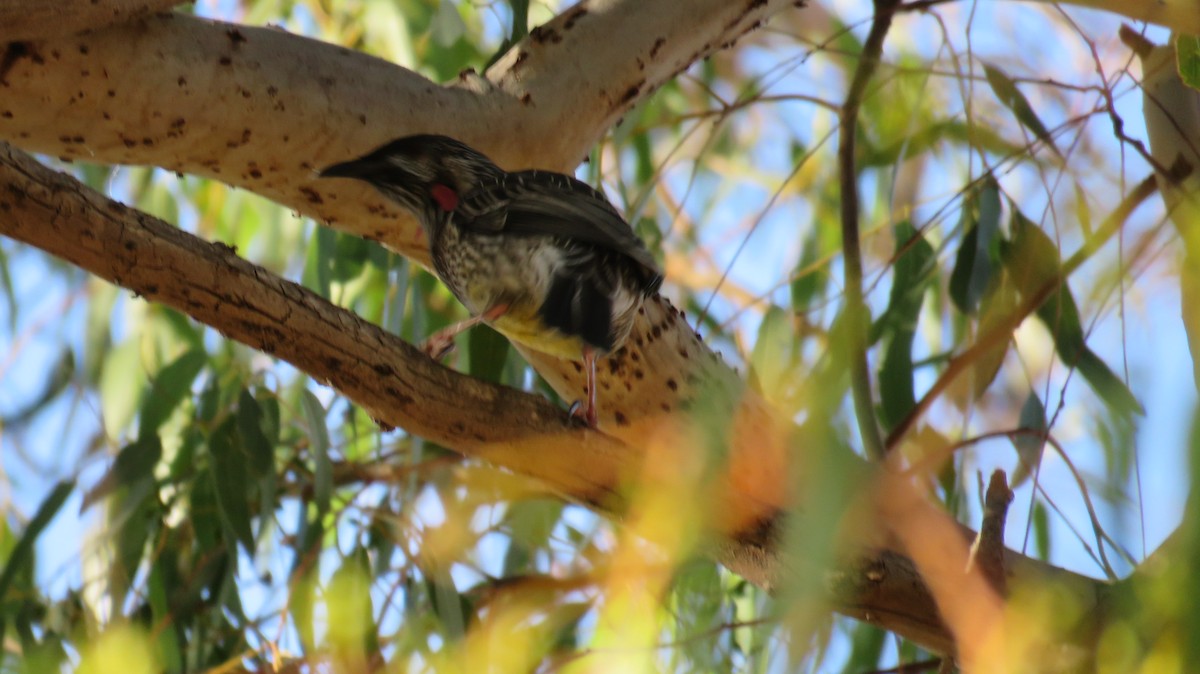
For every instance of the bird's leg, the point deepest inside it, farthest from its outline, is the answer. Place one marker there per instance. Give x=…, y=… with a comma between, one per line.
x=441, y=343
x=590, y=414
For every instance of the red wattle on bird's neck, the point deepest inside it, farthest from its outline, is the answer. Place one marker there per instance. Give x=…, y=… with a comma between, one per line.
x=446, y=198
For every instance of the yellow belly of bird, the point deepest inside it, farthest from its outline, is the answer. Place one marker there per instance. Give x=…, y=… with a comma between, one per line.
x=526, y=328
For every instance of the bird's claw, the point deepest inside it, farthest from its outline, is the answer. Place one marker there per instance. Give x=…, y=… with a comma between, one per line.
x=438, y=347
x=583, y=414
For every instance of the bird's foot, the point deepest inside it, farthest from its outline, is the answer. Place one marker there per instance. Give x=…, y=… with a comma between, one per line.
x=438, y=346
x=584, y=413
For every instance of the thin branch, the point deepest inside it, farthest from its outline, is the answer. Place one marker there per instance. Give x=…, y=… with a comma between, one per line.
x=857, y=317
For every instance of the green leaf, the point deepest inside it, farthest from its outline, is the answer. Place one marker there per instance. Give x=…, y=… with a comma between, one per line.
x=10, y=297
x=167, y=637
x=1041, y=530
x=170, y=387
x=231, y=483
x=318, y=435
x=1029, y=445
x=1008, y=93
x=1032, y=261
x=122, y=384
x=807, y=286
x=250, y=422
x=772, y=358
x=911, y=275
x=318, y=267
x=447, y=25
x=530, y=524
x=487, y=352
x=1111, y=389
x=22, y=552
x=978, y=253
x=452, y=608
x=1187, y=59
x=133, y=466
x=349, y=257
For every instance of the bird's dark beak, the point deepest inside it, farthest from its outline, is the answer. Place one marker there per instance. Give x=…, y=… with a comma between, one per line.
x=355, y=168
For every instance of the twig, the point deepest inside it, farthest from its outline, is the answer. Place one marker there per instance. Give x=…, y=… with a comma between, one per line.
x=987, y=552
x=856, y=310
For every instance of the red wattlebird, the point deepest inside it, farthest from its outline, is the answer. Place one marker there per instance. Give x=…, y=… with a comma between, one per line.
x=540, y=256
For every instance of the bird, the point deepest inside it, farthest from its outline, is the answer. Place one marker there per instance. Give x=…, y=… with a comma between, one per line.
x=542, y=257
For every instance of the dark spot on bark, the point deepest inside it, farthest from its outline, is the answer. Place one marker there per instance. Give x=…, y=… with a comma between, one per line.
x=399, y=397
x=458, y=427
x=225, y=61
x=235, y=36
x=672, y=384
x=255, y=173
x=312, y=195
x=112, y=93
x=642, y=310
x=639, y=341
x=684, y=353
x=665, y=407
x=272, y=91
x=85, y=73
x=83, y=49
x=527, y=99
x=632, y=92
x=658, y=44
x=542, y=34
x=383, y=370
x=7, y=114
x=763, y=533
x=147, y=141
x=633, y=355
x=656, y=332
x=638, y=374
x=578, y=366
x=613, y=365
x=362, y=119
x=620, y=419
x=182, y=81
x=755, y=4
x=15, y=51
x=130, y=246
x=572, y=15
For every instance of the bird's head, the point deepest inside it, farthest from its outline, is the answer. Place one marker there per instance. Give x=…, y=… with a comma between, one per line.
x=425, y=173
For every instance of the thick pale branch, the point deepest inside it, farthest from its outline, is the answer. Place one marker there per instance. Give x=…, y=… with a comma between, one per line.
x=40, y=19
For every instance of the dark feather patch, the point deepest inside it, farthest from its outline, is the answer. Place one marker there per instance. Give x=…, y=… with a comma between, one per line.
x=575, y=306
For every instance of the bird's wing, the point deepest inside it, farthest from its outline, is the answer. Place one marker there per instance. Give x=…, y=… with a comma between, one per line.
x=552, y=204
